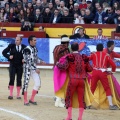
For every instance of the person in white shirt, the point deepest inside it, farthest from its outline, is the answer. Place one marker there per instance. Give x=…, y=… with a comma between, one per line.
x=16, y=65
x=100, y=35
x=78, y=19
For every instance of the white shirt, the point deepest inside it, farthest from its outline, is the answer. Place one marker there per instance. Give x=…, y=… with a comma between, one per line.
x=19, y=47
x=54, y=20
x=78, y=21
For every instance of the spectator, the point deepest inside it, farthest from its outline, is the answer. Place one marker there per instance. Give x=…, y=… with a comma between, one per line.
x=13, y=3
x=105, y=6
x=97, y=5
x=24, y=3
x=30, y=6
x=80, y=34
x=26, y=26
x=34, y=3
x=62, y=7
x=19, y=7
x=29, y=15
x=78, y=19
x=2, y=13
x=39, y=6
x=70, y=5
x=98, y=2
x=99, y=17
x=56, y=17
x=89, y=5
x=38, y=18
x=44, y=4
x=41, y=28
x=51, y=7
x=76, y=9
x=66, y=18
x=88, y=18
x=11, y=16
x=116, y=5
x=2, y=3
x=46, y=15
x=21, y=15
x=83, y=5
x=118, y=16
x=57, y=4
x=82, y=12
x=118, y=29
x=109, y=16
x=100, y=36
x=7, y=7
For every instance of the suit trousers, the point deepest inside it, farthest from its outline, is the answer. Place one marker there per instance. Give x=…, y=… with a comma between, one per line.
x=18, y=71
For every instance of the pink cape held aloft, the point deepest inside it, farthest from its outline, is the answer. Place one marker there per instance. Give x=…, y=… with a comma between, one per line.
x=59, y=76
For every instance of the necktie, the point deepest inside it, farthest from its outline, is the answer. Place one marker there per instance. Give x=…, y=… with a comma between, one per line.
x=18, y=48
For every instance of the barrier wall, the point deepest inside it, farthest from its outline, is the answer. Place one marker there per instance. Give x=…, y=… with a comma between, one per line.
x=45, y=48
x=56, y=30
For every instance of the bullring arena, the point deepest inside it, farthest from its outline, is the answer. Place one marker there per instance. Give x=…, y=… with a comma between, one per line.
x=45, y=110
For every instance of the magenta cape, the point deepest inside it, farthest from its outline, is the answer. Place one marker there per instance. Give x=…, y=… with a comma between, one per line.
x=59, y=76
x=116, y=85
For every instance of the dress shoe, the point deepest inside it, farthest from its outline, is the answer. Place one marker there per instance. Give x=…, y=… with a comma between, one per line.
x=34, y=103
x=19, y=98
x=113, y=107
x=27, y=104
x=10, y=97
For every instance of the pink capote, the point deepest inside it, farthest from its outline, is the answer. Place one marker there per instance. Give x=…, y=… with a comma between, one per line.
x=59, y=76
x=116, y=85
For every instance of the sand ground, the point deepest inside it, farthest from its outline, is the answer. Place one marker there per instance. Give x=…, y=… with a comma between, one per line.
x=45, y=110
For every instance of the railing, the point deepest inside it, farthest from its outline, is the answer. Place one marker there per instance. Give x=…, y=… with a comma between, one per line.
x=56, y=30
x=115, y=35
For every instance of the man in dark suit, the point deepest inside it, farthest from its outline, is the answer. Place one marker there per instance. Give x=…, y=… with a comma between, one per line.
x=15, y=57
x=56, y=17
x=38, y=18
x=80, y=35
x=109, y=16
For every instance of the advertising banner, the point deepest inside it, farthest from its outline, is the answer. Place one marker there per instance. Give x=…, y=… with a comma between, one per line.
x=45, y=47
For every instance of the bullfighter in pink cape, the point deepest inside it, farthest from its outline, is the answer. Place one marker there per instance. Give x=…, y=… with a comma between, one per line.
x=60, y=76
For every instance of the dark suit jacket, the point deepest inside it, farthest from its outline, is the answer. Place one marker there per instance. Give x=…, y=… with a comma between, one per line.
x=89, y=18
x=46, y=17
x=97, y=16
x=58, y=20
x=38, y=19
x=17, y=56
x=77, y=36
x=67, y=19
x=110, y=19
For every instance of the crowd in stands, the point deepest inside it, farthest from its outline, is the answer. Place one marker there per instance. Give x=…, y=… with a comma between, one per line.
x=60, y=11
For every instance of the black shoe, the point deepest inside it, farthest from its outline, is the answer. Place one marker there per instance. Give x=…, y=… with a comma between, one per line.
x=19, y=98
x=34, y=103
x=114, y=107
x=27, y=104
x=10, y=97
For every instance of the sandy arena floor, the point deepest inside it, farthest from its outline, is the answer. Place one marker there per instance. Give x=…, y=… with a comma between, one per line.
x=45, y=110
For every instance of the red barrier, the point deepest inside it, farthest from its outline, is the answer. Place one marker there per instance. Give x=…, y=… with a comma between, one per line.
x=48, y=25
x=24, y=34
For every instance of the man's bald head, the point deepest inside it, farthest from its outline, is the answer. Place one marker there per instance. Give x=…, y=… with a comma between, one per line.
x=18, y=40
